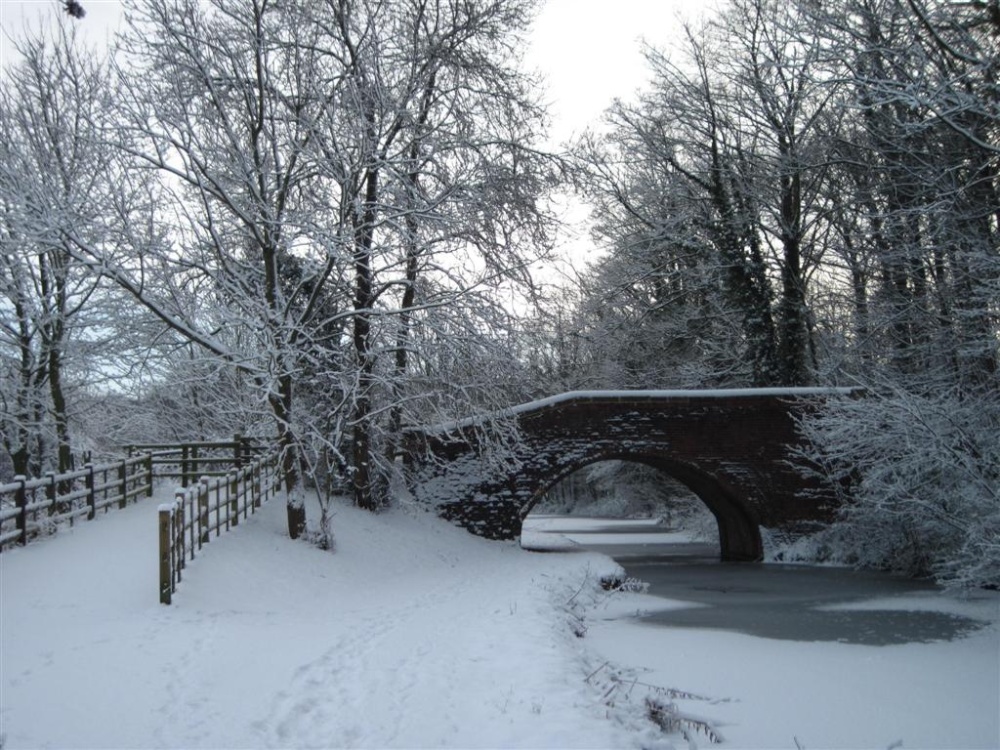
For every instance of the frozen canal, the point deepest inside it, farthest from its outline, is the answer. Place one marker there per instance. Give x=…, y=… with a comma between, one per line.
x=780, y=601
x=790, y=656
x=796, y=603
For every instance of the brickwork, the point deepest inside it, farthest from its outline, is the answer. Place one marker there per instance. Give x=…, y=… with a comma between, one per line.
x=733, y=449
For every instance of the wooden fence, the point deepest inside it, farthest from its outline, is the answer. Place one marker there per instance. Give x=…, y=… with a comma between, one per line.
x=188, y=462
x=186, y=524
x=28, y=506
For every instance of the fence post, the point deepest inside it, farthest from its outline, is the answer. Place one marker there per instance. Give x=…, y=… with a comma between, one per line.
x=204, y=500
x=258, y=485
x=21, y=502
x=123, y=484
x=88, y=481
x=166, y=554
x=237, y=450
x=254, y=495
x=194, y=461
x=50, y=492
x=180, y=518
x=233, y=491
x=184, y=466
x=191, y=517
x=275, y=478
x=148, y=463
x=203, y=525
x=265, y=482
x=267, y=467
x=107, y=488
x=272, y=484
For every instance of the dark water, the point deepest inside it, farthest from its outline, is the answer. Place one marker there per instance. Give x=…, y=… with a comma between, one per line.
x=784, y=602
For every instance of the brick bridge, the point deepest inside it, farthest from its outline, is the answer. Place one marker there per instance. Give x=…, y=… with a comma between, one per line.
x=732, y=448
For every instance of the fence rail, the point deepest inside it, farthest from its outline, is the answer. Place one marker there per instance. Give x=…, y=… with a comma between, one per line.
x=186, y=524
x=188, y=462
x=27, y=506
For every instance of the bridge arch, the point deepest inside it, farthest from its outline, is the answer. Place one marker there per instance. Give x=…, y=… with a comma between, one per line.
x=735, y=449
x=739, y=529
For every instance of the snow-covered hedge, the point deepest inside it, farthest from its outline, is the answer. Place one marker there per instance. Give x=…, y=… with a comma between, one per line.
x=924, y=475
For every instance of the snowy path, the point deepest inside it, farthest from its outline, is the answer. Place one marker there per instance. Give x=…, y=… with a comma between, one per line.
x=416, y=634
x=413, y=634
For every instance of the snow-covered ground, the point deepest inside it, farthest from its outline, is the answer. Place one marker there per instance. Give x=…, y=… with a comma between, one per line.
x=416, y=634
x=413, y=634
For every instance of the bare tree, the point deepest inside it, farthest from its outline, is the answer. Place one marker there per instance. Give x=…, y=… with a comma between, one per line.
x=919, y=173
x=320, y=167
x=712, y=183
x=430, y=152
x=53, y=182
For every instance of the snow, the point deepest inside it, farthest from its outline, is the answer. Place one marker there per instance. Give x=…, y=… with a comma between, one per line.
x=784, y=693
x=547, y=523
x=684, y=393
x=760, y=675
x=642, y=395
x=413, y=634
x=417, y=634
x=774, y=693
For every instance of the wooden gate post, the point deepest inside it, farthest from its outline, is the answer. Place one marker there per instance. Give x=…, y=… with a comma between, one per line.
x=166, y=553
x=258, y=484
x=233, y=492
x=203, y=521
x=148, y=463
x=88, y=481
x=269, y=467
x=50, y=492
x=21, y=502
x=253, y=499
x=123, y=484
x=179, y=543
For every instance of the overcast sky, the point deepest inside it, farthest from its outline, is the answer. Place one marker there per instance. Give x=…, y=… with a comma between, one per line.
x=588, y=50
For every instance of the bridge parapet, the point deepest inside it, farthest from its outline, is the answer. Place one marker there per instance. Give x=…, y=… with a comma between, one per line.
x=732, y=448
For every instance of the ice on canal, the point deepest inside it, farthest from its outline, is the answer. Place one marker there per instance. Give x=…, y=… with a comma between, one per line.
x=787, y=656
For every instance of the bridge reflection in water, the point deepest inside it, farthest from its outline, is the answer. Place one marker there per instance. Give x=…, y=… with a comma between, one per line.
x=765, y=600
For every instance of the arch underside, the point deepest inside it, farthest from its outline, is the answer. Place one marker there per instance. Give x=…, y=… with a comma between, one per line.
x=739, y=532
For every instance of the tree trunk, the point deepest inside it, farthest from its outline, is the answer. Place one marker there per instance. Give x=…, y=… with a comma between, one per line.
x=792, y=323
x=364, y=299
x=288, y=448
x=53, y=337
x=65, y=450
x=413, y=249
